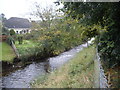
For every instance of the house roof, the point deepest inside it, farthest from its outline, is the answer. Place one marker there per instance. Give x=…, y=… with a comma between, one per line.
x=15, y=22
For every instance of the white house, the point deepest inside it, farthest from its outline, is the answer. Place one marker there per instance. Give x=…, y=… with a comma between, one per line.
x=19, y=25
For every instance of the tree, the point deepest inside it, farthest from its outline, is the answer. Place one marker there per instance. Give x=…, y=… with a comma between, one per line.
x=3, y=19
x=46, y=15
x=105, y=15
x=109, y=41
x=2, y=26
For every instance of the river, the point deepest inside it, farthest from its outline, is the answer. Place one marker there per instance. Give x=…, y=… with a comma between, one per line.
x=22, y=77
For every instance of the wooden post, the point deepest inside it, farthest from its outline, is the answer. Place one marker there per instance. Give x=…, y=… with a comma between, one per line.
x=15, y=49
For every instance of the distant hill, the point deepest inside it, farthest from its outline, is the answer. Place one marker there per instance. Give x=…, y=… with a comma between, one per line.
x=15, y=22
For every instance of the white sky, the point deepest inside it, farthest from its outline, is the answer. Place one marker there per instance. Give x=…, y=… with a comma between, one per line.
x=20, y=8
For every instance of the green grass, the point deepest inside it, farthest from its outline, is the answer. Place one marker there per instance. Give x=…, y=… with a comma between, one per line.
x=6, y=52
x=25, y=47
x=77, y=73
x=25, y=44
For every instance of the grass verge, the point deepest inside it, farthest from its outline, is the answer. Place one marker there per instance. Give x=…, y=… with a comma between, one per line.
x=77, y=73
x=7, y=53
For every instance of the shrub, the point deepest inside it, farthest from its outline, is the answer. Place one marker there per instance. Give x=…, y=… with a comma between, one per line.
x=20, y=39
x=12, y=32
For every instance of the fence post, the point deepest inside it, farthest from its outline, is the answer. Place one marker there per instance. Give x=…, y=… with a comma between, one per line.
x=15, y=49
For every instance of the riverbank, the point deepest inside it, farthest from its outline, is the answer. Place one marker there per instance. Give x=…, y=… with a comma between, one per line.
x=78, y=73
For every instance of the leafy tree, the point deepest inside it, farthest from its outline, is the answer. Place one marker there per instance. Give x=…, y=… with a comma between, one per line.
x=105, y=15
x=109, y=41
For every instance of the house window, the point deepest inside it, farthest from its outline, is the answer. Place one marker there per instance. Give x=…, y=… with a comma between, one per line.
x=27, y=30
x=24, y=31
x=20, y=32
x=17, y=32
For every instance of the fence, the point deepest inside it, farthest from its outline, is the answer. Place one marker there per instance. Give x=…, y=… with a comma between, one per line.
x=100, y=80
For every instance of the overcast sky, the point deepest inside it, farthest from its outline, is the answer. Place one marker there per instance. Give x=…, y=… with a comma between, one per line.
x=20, y=8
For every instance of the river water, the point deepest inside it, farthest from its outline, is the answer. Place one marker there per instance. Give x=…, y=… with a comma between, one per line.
x=22, y=78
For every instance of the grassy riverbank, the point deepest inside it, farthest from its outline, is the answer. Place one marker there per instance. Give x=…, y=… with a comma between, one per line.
x=7, y=53
x=78, y=73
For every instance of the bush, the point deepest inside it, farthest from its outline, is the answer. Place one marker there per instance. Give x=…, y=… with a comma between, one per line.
x=20, y=39
x=12, y=32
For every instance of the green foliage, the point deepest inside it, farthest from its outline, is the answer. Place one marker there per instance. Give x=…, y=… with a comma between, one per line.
x=109, y=41
x=109, y=47
x=25, y=47
x=90, y=13
x=106, y=15
x=12, y=32
x=64, y=35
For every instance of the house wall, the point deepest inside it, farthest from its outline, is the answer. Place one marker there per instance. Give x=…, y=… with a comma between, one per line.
x=21, y=30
